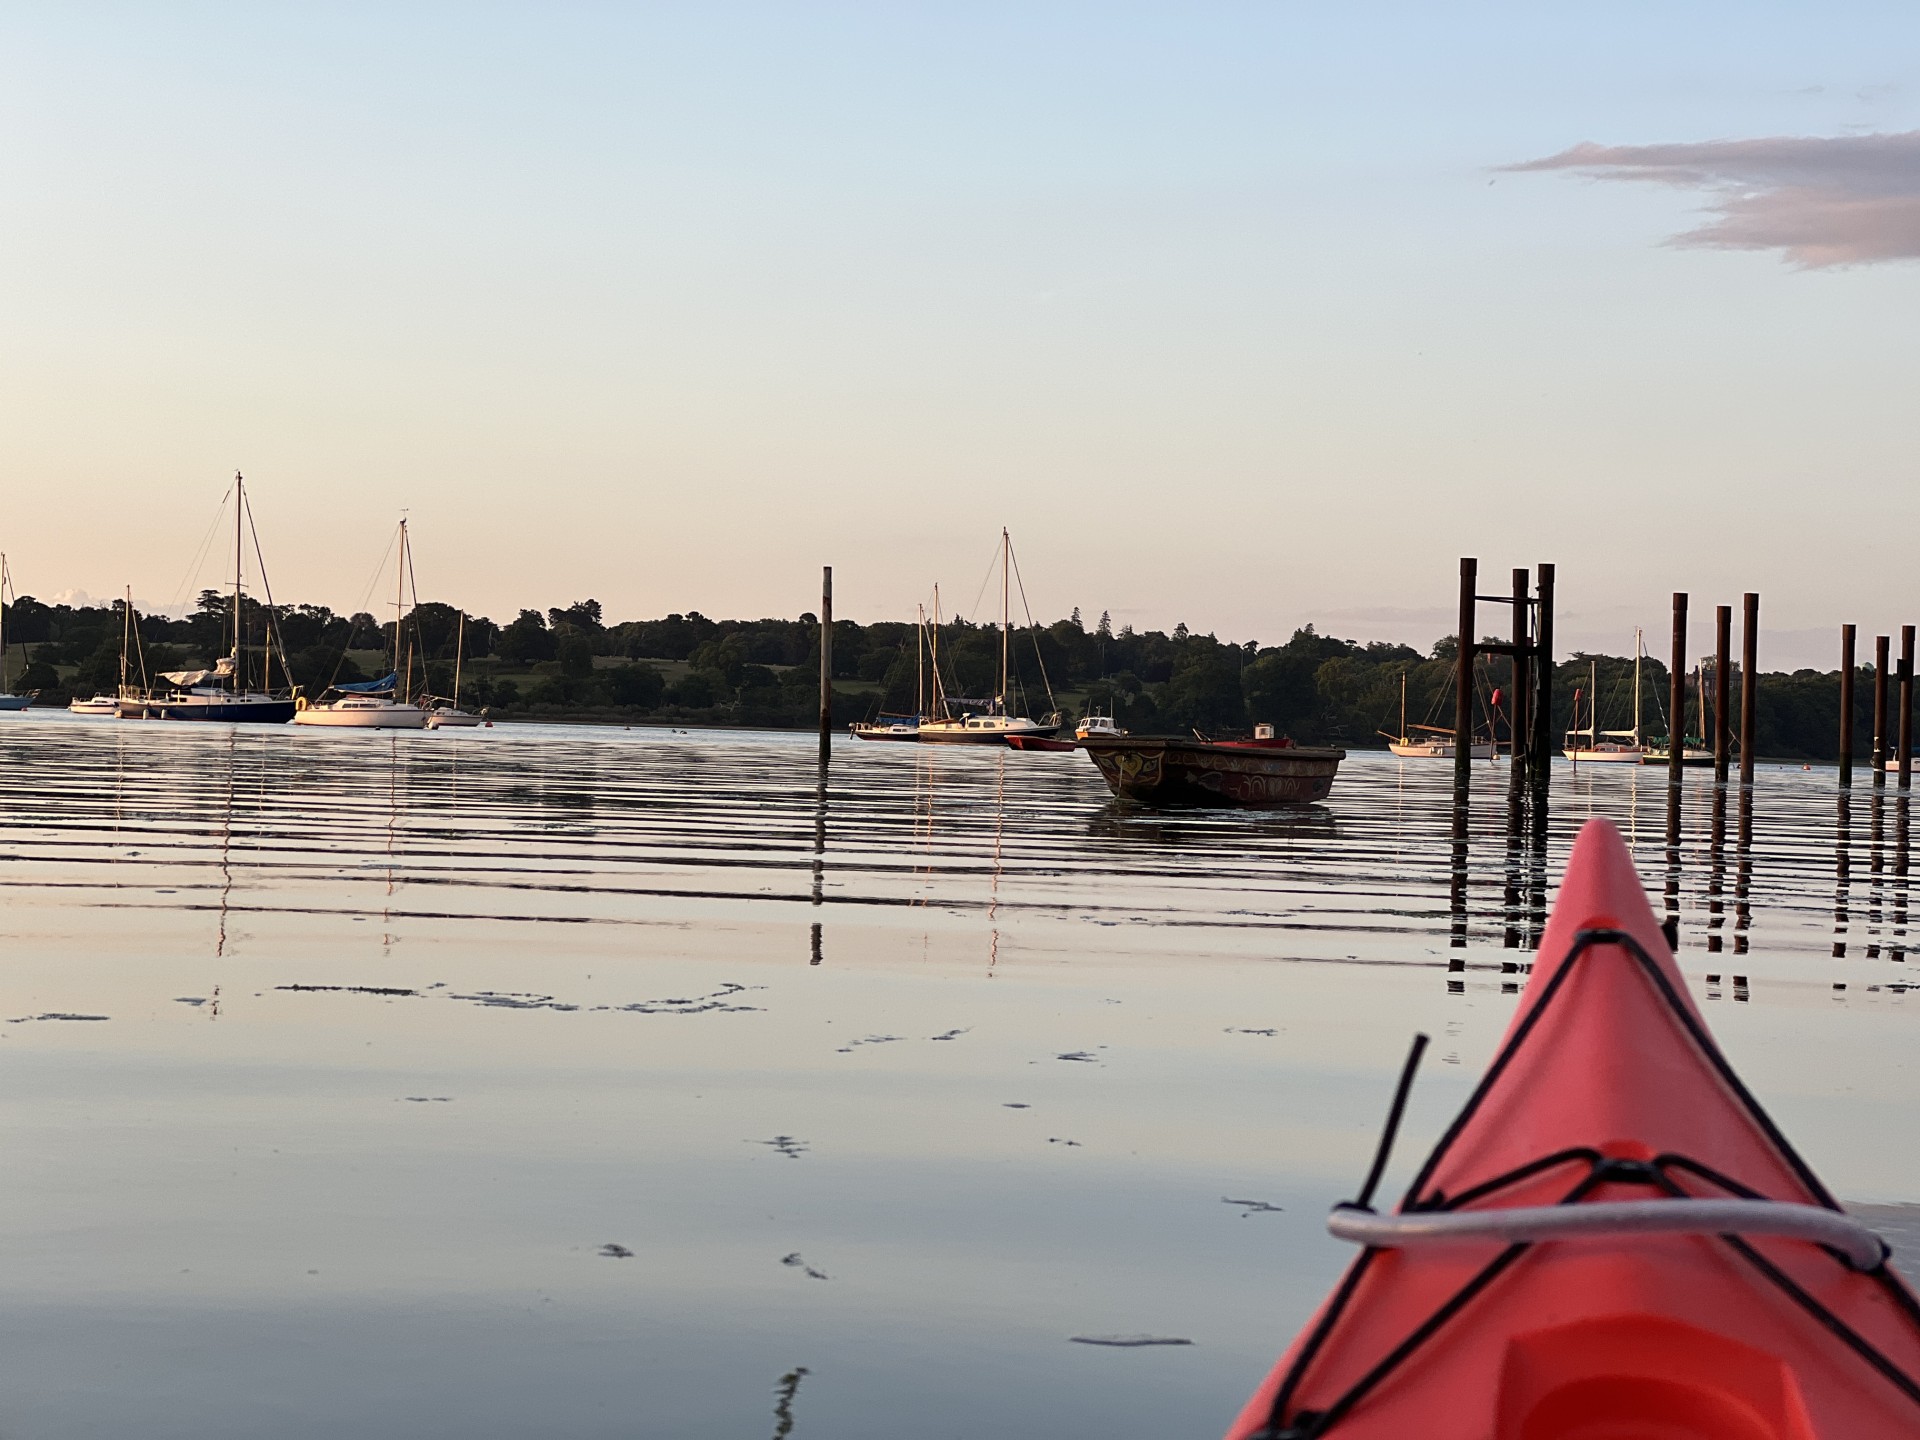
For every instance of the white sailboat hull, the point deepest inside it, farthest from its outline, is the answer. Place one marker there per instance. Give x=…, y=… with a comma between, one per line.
x=98, y=705
x=449, y=718
x=982, y=730
x=363, y=715
x=1435, y=750
x=1626, y=755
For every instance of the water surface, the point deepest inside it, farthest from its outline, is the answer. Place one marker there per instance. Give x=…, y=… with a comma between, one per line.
x=587, y=1082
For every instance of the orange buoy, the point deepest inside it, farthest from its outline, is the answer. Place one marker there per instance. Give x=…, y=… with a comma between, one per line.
x=1612, y=1241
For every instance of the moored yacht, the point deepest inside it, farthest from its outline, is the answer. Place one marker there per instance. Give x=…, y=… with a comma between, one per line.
x=371, y=704
x=986, y=722
x=226, y=692
x=8, y=700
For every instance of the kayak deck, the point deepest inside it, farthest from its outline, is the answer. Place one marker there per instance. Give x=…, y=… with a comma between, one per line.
x=1558, y=1268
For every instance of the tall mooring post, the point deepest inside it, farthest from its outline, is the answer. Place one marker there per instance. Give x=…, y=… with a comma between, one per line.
x=1677, y=692
x=1749, y=663
x=1722, y=664
x=1880, y=645
x=1906, y=707
x=1846, y=704
x=1463, y=680
x=1542, y=753
x=1519, y=727
x=826, y=662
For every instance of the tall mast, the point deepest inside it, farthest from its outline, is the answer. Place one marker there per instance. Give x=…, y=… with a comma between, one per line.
x=399, y=599
x=126, y=636
x=459, y=654
x=1639, y=649
x=239, y=520
x=933, y=645
x=1403, y=707
x=1006, y=613
x=920, y=657
x=5, y=581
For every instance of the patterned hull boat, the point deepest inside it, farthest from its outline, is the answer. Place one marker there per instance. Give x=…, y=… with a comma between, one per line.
x=1247, y=774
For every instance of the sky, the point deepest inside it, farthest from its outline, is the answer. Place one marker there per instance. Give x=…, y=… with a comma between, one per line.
x=1240, y=315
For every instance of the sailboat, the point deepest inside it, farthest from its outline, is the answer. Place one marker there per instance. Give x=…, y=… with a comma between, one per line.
x=1694, y=750
x=225, y=692
x=371, y=704
x=1436, y=743
x=102, y=703
x=8, y=700
x=989, y=724
x=445, y=714
x=902, y=727
x=1607, y=747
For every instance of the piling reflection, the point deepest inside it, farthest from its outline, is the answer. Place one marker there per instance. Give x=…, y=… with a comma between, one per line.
x=1842, y=867
x=1743, y=877
x=1897, y=941
x=1717, y=870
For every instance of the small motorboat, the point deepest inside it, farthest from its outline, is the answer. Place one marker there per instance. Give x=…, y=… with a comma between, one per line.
x=448, y=716
x=1612, y=1241
x=95, y=705
x=1039, y=742
x=887, y=727
x=1268, y=770
x=1100, y=726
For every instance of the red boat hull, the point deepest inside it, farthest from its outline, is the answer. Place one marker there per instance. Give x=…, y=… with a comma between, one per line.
x=1607, y=1088
x=1039, y=742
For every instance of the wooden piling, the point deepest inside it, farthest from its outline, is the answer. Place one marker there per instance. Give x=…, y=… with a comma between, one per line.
x=1722, y=663
x=1906, y=707
x=1518, y=731
x=826, y=662
x=1463, y=681
x=1543, y=747
x=1880, y=644
x=1677, y=692
x=1749, y=663
x=1846, y=704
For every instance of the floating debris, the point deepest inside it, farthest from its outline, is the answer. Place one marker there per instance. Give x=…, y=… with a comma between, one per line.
x=428, y=1099
x=788, y=1146
x=1079, y=1055
x=794, y=1262
x=715, y=1002
x=1056, y=1140
x=950, y=1035
x=871, y=1040
x=1255, y=1207
x=189, y=999
x=1015, y=1105
x=505, y=1001
x=352, y=989
x=1129, y=1342
x=616, y=1252
x=1238, y=1030
x=55, y=1015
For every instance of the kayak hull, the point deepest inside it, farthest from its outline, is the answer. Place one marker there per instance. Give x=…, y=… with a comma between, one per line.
x=1607, y=1088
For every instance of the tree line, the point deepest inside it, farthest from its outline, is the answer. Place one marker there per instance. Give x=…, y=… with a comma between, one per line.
x=568, y=662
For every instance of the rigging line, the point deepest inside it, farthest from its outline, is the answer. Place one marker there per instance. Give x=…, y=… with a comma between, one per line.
x=275, y=640
x=200, y=555
x=1052, y=703
x=360, y=607
x=985, y=580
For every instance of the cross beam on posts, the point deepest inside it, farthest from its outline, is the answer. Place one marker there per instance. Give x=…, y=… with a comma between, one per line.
x=1529, y=716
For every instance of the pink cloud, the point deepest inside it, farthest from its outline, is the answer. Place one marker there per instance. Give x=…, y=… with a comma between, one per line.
x=1820, y=200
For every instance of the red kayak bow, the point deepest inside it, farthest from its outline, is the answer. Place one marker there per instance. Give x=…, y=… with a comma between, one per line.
x=1611, y=1242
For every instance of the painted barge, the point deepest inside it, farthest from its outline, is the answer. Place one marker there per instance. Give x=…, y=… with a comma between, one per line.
x=1262, y=773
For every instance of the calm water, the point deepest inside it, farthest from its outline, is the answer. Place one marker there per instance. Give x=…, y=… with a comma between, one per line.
x=587, y=1082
